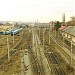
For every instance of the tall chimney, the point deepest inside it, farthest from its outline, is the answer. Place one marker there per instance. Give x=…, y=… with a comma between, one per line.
x=63, y=18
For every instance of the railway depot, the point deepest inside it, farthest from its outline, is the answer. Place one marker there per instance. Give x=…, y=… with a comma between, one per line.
x=37, y=37
x=43, y=48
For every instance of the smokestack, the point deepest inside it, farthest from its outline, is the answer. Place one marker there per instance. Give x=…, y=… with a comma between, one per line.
x=63, y=18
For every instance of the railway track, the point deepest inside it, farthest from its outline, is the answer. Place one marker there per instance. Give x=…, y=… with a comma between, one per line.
x=65, y=44
x=53, y=58
x=35, y=65
x=12, y=51
x=59, y=71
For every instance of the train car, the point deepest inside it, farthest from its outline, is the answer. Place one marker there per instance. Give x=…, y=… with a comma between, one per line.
x=23, y=26
x=1, y=33
x=16, y=31
x=7, y=32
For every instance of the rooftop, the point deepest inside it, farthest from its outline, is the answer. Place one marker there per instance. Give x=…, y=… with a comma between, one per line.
x=70, y=30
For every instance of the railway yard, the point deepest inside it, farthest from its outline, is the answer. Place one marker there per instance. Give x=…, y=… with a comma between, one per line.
x=32, y=52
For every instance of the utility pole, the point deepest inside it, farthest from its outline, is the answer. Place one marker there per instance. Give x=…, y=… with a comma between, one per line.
x=8, y=49
x=63, y=39
x=39, y=32
x=36, y=45
x=13, y=37
x=55, y=33
x=71, y=52
x=49, y=35
x=43, y=38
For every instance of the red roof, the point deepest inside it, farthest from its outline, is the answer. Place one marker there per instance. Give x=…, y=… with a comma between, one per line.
x=62, y=27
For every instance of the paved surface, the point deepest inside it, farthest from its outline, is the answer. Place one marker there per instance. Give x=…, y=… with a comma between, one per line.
x=27, y=64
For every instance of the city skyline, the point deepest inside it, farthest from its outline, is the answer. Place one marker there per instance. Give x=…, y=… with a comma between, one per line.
x=32, y=10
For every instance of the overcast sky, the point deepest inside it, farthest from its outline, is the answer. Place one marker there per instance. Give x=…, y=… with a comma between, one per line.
x=31, y=10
